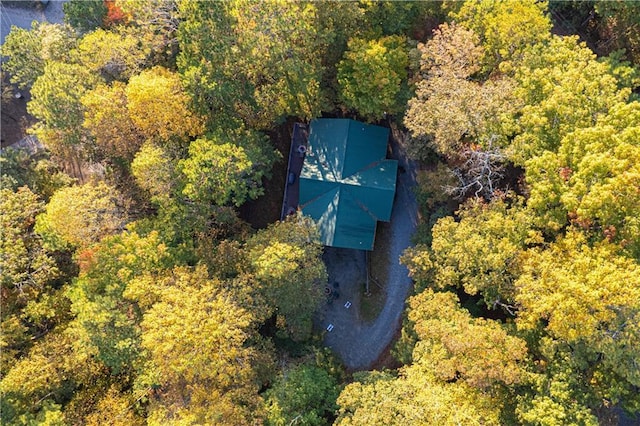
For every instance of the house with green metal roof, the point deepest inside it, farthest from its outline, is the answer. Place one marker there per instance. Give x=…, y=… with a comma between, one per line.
x=347, y=184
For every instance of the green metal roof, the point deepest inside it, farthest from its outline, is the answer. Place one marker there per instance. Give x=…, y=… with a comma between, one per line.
x=346, y=183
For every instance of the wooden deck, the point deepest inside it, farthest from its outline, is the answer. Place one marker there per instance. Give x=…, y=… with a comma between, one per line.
x=296, y=159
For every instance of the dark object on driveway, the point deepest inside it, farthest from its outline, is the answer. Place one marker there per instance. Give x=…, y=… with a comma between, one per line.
x=292, y=178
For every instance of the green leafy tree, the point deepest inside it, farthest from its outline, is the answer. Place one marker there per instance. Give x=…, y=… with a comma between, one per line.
x=185, y=225
x=206, y=38
x=337, y=25
x=85, y=15
x=26, y=267
x=53, y=103
x=215, y=173
x=478, y=253
x=36, y=171
x=59, y=109
x=278, y=58
x=30, y=50
x=31, y=304
x=281, y=52
x=285, y=261
x=155, y=171
x=106, y=324
x=28, y=272
x=558, y=393
x=220, y=171
x=452, y=345
x=505, y=28
x=373, y=75
x=304, y=394
x=36, y=385
x=81, y=215
x=555, y=406
x=383, y=18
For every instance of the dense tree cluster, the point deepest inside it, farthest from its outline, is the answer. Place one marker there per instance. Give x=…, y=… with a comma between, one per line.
x=133, y=293
x=557, y=262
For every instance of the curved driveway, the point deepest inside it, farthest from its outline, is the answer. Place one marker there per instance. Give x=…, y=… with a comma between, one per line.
x=359, y=344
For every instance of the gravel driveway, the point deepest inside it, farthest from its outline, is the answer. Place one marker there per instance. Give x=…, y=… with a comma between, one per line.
x=358, y=344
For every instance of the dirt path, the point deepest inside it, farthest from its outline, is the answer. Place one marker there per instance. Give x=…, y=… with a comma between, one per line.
x=358, y=344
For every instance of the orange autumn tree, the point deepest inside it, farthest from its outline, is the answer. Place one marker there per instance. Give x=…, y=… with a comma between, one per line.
x=114, y=15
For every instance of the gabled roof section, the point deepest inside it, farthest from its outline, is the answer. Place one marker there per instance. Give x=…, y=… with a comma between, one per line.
x=346, y=183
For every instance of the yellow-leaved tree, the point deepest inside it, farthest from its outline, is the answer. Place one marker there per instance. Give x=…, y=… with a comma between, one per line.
x=81, y=215
x=159, y=106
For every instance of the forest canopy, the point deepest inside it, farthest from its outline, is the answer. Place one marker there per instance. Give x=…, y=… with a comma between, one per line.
x=137, y=290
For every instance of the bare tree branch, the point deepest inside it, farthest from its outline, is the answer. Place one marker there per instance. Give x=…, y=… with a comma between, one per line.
x=480, y=171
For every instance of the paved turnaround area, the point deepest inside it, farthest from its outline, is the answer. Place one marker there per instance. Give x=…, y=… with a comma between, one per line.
x=359, y=344
x=21, y=14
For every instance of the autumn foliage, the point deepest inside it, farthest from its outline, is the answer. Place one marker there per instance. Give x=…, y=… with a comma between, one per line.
x=115, y=15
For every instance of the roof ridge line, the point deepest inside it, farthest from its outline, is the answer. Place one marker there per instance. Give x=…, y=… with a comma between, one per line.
x=344, y=146
x=320, y=195
x=369, y=166
x=366, y=168
x=325, y=163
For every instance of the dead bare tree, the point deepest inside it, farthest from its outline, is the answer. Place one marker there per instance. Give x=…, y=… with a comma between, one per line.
x=479, y=171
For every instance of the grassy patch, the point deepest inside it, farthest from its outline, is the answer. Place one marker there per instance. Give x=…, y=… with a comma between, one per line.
x=371, y=304
x=379, y=260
